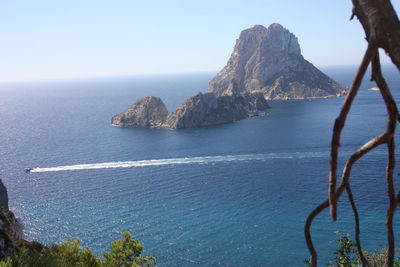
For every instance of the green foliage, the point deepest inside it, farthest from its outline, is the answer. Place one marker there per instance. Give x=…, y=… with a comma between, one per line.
x=123, y=253
x=28, y=258
x=346, y=255
x=70, y=253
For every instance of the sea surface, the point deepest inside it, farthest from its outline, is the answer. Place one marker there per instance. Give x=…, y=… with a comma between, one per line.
x=229, y=195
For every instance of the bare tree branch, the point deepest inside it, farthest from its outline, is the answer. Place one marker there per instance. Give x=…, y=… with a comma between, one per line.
x=337, y=129
x=370, y=145
x=356, y=226
x=381, y=25
x=391, y=128
x=382, y=30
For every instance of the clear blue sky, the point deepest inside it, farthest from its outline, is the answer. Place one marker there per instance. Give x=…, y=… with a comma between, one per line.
x=45, y=39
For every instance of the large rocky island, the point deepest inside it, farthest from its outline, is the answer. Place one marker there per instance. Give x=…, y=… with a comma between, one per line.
x=266, y=63
x=269, y=60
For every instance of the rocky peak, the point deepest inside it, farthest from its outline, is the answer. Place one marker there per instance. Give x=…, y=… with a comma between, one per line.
x=261, y=60
x=280, y=40
x=250, y=39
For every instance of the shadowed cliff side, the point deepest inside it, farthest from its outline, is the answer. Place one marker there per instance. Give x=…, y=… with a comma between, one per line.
x=11, y=235
x=209, y=109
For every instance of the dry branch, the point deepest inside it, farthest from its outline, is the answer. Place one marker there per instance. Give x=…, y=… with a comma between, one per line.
x=382, y=29
x=337, y=129
x=356, y=225
x=391, y=128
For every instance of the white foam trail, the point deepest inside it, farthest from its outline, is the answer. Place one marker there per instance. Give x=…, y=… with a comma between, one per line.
x=175, y=161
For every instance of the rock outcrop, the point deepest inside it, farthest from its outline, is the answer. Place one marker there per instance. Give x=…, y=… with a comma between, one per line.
x=10, y=228
x=269, y=60
x=147, y=111
x=198, y=111
x=209, y=109
x=3, y=196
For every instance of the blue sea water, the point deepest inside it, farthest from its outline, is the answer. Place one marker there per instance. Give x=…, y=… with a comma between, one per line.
x=237, y=211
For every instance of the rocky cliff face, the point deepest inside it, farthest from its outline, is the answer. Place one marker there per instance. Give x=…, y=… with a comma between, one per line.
x=269, y=60
x=3, y=196
x=10, y=228
x=209, y=109
x=147, y=111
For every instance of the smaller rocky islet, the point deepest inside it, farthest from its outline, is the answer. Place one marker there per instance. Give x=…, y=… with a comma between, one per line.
x=209, y=109
x=200, y=110
x=147, y=111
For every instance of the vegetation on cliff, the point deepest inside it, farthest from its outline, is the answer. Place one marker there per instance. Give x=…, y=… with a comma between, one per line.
x=346, y=255
x=124, y=252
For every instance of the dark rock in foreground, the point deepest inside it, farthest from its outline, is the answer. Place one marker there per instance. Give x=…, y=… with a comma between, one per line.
x=147, y=111
x=3, y=196
x=269, y=60
x=10, y=227
x=209, y=109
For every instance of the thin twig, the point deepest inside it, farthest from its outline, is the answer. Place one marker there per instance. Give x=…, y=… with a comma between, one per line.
x=373, y=143
x=307, y=231
x=382, y=28
x=356, y=226
x=392, y=203
x=337, y=129
x=370, y=145
x=391, y=127
x=385, y=138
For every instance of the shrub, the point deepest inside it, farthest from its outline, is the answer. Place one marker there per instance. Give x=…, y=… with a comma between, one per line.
x=123, y=253
x=346, y=255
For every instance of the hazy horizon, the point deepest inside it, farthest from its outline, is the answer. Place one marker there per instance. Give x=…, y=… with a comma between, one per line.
x=152, y=74
x=47, y=41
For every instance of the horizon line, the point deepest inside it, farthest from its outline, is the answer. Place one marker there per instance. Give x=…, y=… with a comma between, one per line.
x=139, y=74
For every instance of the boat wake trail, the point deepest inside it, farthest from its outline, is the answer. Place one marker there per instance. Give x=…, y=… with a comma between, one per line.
x=176, y=161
